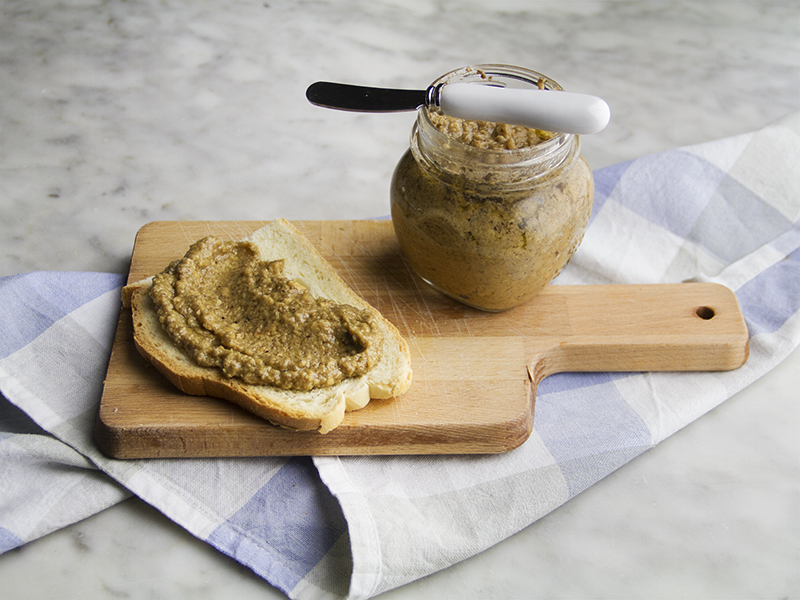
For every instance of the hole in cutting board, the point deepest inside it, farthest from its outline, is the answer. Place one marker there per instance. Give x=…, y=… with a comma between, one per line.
x=705, y=312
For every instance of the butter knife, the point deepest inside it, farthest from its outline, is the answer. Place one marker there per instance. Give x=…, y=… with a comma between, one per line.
x=549, y=110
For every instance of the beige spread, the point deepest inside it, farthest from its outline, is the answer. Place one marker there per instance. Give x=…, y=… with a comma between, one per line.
x=484, y=244
x=226, y=308
x=488, y=135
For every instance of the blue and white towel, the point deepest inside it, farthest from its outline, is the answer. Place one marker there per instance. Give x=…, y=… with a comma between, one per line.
x=727, y=211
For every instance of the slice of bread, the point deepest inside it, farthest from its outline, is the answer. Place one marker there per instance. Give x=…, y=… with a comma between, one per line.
x=319, y=409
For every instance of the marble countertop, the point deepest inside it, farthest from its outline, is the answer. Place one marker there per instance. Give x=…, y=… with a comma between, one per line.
x=113, y=115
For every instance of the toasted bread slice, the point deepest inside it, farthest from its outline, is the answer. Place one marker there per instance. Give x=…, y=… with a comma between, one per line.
x=319, y=409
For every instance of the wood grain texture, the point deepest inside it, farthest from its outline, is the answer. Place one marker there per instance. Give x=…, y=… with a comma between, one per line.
x=475, y=373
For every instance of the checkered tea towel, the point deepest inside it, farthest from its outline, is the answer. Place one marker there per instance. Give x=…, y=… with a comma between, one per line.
x=331, y=527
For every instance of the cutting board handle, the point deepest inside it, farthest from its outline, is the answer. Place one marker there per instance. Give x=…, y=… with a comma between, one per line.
x=664, y=327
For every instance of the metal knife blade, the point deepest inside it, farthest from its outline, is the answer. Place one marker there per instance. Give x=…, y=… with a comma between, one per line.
x=358, y=98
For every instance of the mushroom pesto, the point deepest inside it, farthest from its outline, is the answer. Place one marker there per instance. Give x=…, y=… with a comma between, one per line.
x=490, y=213
x=226, y=308
x=486, y=249
x=488, y=135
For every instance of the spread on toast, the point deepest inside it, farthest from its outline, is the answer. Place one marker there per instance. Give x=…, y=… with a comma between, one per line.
x=368, y=357
x=226, y=308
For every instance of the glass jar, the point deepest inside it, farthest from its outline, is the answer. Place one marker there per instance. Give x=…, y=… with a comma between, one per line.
x=490, y=227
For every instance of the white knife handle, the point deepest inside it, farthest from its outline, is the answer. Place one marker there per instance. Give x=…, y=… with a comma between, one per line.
x=549, y=110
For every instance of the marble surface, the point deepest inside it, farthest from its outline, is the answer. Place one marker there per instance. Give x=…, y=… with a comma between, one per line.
x=113, y=115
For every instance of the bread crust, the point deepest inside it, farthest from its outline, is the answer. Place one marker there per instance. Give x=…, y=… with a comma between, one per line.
x=321, y=409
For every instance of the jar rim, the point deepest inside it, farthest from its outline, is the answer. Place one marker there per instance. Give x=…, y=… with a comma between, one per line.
x=502, y=75
x=437, y=151
x=497, y=73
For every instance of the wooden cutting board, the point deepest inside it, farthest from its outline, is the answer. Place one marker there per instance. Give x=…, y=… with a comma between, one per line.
x=475, y=373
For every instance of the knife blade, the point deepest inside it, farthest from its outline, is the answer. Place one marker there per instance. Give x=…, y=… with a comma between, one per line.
x=343, y=96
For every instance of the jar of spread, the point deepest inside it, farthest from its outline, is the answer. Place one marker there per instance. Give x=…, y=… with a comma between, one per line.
x=488, y=213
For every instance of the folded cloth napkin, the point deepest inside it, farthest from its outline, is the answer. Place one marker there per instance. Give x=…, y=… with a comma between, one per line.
x=329, y=527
